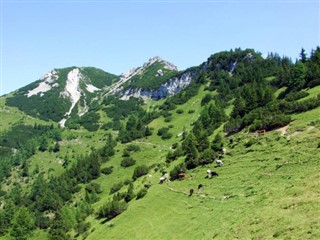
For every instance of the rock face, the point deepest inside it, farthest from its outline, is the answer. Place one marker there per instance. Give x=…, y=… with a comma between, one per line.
x=169, y=88
x=128, y=75
x=48, y=82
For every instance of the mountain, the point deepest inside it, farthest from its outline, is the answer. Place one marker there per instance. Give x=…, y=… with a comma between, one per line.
x=134, y=164
x=155, y=79
x=62, y=93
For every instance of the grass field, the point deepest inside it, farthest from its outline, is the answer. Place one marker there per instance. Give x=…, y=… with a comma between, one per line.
x=268, y=190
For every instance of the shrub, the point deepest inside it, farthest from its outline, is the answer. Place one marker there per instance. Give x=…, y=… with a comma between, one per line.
x=292, y=96
x=116, y=187
x=140, y=171
x=127, y=162
x=125, y=153
x=174, y=174
x=179, y=111
x=166, y=135
x=175, y=145
x=112, y=209
x=107, y=170
x=168, y=119
x=207, y=98
x=191, y=111
x=93, y=188
x=133, y=148
x=141, y=193
x=162, y=131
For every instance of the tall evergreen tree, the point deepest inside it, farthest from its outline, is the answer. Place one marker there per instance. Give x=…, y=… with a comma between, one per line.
x=22, y=225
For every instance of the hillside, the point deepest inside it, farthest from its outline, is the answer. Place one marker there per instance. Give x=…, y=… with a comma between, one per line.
x=98, y=176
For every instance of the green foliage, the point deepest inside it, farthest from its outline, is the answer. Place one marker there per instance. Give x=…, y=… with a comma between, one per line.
x=89, y=121
x=217, y=143
x=111, y=209
x=299, y=76
x=68, y=217
x=107, y=170
x=133, y=148
x=293, y=96
x=6, y=216
x=149, y=79
x=120, y=109
x=143, y=192
x=22, y=224
x=206, y=99
x=99, y=78
x=164, y=133
x=191, y=151
x=179, y=111
x=174, y=173
x=140, y=171
x=127, y=162
x=129, y=194
x=116, y=187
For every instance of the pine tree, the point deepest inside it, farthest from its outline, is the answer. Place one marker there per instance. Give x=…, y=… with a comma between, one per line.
x=22, y=225
x=303, y=55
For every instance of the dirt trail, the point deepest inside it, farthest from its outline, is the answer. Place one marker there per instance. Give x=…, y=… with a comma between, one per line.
x=283, y=130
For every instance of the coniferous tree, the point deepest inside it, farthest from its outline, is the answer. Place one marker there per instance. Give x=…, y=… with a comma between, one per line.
x=303, y=56
x=22, y=224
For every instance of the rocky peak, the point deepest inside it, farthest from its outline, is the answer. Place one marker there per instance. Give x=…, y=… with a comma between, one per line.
x=134, y=71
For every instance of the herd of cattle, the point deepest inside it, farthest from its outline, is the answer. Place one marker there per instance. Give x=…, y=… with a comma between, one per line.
x=182, y=175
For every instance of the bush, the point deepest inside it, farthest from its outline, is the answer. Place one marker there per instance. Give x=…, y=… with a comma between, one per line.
x=107, y=170
x=179, y=111
x=166, y=136
x=93, y=188
x=174, y=174
x=112, y=209
x=292, y=96
x=162, y=131
x=133, y=148
x=141, y=193
x=168, y=119
x=191, y=111
x=140, y=171
x=125, y=153
x=127, y=162
x=116, y=187
x=207, y=98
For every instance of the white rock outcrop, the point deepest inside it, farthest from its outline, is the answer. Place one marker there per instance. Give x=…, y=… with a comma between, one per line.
x=48, y=82
x=72, y=90
x=169, y=88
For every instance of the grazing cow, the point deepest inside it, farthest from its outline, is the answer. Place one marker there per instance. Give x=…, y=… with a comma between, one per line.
x=214, y=173
x=182, y=176
x=211, y=173
x=224, y=151
x=219, y=163
x=162, y=179
x=200, y=188
x=191, y=192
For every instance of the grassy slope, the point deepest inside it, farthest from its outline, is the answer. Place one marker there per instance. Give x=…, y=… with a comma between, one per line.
x=270, y=189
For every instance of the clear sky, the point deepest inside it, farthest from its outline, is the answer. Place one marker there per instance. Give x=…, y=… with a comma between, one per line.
x=37, y=36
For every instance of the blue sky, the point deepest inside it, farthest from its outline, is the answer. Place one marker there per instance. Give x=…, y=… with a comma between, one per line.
x=37, y=36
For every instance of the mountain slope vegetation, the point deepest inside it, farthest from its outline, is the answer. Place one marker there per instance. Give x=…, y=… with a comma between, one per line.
x=137, y=168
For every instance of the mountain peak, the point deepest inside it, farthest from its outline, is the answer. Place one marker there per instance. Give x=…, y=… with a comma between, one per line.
x=134, y=71
x=167, y=65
